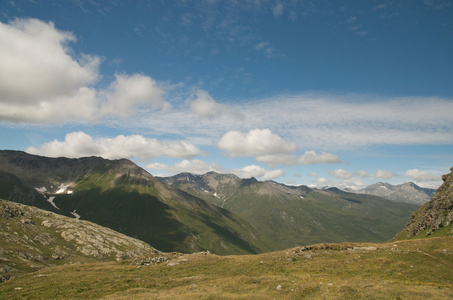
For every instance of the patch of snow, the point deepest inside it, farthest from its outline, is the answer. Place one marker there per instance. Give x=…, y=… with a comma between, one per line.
x=215, y=195
x=302, y=197
x=70, y=192
x=41, y=190
x=50, y=199
x=76, y=215
x=62, y=188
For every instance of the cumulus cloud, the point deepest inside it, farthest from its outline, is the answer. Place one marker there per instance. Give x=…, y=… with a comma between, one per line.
x=38, y=64
x=206, y=107
x=259, y=172
x=421, y=176
x=126, y=92
x=383, y=174
x=256, y=142
x=44, y=81
x=79, y=144
x=194, y=166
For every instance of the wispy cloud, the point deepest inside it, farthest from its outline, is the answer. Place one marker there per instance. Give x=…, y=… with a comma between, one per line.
x=319, y=121
x=278, y=9
x=384, y=174
x=421, y=176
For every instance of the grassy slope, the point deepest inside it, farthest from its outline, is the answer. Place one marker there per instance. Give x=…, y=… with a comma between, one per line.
x=280, y=214
x=412, y=269
x=176, y=223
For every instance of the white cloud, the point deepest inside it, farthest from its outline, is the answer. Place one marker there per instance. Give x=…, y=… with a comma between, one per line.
x=44, y=81
x=322, y=180
x=308, y=158
x=362, y=174
x=38, y=64
x=256, y=142
x=323, y=122
x=343, y=174
x=79, y=144
x=205, y=106
x=340, y=173
x=383, y=174
x=421, y=176
x=200, y=167
x=195, y=166
x=126, y=92
x=259, y=172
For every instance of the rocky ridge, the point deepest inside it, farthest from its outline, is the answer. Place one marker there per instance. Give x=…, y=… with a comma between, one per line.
x=32, y=239
x=435, y=214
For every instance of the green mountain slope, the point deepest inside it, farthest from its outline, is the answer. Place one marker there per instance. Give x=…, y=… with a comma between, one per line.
x=300, y=215
x=434, y=218
x=120, y=195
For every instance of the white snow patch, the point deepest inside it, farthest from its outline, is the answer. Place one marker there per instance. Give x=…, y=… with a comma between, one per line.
x=302, y=197
x=62, y=188
x=41, y=190
x=50, y=199
x=69, y=192
x=76, y=215
x=215, y=195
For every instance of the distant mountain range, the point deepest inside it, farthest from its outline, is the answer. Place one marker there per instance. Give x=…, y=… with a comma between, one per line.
x=407, y=192
x=290, y=215
x=187, y=213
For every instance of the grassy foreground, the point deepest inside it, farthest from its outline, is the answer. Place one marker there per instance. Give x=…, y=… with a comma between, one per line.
x=413, y=269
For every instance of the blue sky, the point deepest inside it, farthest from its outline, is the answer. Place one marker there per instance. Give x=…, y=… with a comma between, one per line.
x=301, y=92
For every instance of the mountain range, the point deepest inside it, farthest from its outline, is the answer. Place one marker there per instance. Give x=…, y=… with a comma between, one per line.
x=122, y=196
x=188, y=213
x=407, y=192
x=299, y=215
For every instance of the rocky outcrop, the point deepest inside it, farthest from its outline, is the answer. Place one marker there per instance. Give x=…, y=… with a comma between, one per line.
x=31, y=239
x=435, y=214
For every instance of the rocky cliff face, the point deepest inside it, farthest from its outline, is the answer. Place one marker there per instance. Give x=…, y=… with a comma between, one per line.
x=31, y=239
x=435, y=215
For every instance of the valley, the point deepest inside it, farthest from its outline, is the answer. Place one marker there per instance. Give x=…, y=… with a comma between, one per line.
x=339, y=246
